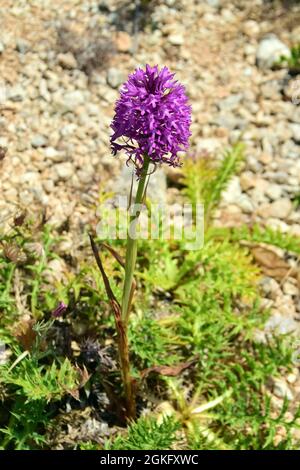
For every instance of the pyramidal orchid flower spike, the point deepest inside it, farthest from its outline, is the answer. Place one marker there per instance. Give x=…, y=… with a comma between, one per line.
x=152, y=117
x=151, y=125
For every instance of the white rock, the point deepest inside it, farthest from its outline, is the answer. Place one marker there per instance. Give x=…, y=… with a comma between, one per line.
x=292, y=376
x=281, y=389
x=176, y=39
x=67, y=61
x=277, y=224
x=52, y=154
x=251, y=28
x=233, y=193
x=210, y=145
x=30, y=177
x=273, y=191
x=296, y=132
x=295, y=230
x=269, y=51
x=39, y=141
x=247, y=180
x=290, y=289
x=72, y=99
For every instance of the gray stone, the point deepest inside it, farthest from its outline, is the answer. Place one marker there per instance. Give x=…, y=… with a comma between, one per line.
x=290, y=149
x=5, y=354
x=43, y=89
x=87, y=174
x=64, y=170
x=213, y=3
x=22, y=46
x=253, y=164
x=269, y=51
x=230, y=121
x=270, y=89
x=39, y=141
x=280, y=324
x=210, y=145
x=115, y=77
x=230, y=102
x=245, y=203
x=73, y=99
x=93, y=109
x=68, y=129
x=279, y=209
x=270, y=287
x=280, y=177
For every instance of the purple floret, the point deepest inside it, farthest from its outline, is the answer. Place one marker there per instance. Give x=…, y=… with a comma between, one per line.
x=152, y=117
x=59, y=310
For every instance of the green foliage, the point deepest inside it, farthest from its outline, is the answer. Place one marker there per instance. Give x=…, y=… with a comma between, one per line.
x=25, y=430
x=296, y=200
x=31, y=380
x=39, y=267
x=205, y=181
x=202, y=305
x=25, y=255
x=147, y=434
x=218, y=306
x=7, y=300
x=256, y=234
x=248, y=421
x=150, y=342
x=293, y=60
x=37, y=382
x=88, y=446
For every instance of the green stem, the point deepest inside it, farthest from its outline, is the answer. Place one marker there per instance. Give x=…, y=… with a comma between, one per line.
x=130, y=262
x=131, y=251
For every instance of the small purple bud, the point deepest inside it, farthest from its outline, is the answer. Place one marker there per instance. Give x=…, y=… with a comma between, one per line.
x=59, y=310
